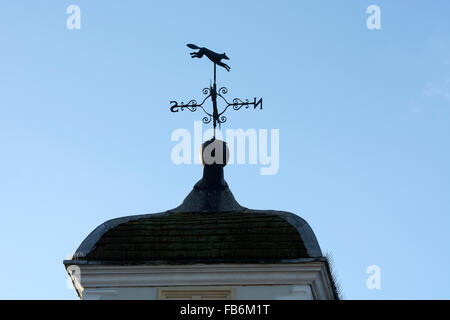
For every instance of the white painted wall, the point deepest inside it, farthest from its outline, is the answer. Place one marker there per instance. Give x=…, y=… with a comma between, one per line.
x=272, y=292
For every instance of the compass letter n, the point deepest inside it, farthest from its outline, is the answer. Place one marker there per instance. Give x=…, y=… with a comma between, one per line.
x=257, y=103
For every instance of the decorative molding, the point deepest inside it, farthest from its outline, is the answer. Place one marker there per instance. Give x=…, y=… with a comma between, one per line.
x=196, y=293
x=312, y=273
x=298, y=292
x=97, y=294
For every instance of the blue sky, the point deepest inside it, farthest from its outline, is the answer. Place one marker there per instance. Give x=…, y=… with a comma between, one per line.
x=363, y=117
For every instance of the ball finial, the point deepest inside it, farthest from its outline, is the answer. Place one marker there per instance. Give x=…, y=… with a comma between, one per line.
x=214, y=152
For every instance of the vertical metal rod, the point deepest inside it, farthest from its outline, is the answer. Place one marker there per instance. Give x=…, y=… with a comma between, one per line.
x=214, y=74
x=215, y=113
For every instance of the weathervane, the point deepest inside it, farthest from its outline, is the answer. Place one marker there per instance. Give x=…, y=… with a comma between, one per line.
x=215, y=116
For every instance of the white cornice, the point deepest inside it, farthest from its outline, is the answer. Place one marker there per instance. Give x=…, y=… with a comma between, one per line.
x=106, y=276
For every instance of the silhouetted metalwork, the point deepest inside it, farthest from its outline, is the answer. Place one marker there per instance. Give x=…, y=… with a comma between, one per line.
x=213, y=56
x=216, y=117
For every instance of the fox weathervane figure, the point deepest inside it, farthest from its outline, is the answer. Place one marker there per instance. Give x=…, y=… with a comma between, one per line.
x=213, y=93
x=213, y=56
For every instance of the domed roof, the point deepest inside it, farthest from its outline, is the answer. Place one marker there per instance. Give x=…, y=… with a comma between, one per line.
x=208, y=227
x=246, y=235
